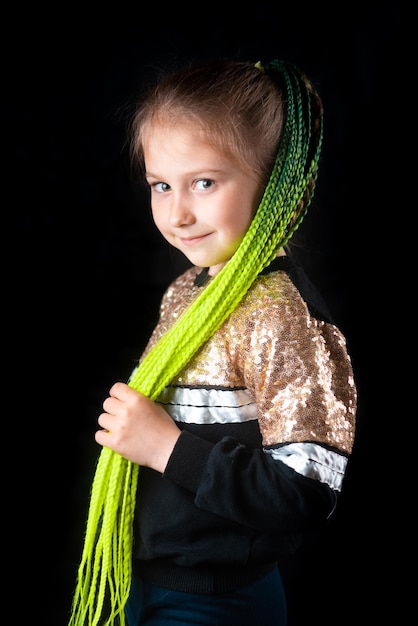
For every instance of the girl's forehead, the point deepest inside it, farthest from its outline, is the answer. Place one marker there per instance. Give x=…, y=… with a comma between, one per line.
x=183, y=123
x=182, y=134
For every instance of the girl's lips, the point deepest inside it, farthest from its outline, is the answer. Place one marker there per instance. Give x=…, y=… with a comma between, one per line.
x=191, y=241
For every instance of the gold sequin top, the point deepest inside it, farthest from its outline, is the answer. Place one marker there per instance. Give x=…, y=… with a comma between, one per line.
x=295, y=367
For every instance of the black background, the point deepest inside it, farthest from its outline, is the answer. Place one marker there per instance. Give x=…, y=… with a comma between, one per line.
x=86, y=268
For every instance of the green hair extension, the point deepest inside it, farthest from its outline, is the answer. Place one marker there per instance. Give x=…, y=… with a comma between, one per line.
x=105, y=571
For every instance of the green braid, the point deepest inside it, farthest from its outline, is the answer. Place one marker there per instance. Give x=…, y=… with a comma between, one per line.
x=104, y=575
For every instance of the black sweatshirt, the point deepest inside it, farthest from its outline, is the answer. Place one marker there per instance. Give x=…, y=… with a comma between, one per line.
x=267, y=412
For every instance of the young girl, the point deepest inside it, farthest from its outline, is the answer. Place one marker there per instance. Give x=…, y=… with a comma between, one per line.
x=231, y=439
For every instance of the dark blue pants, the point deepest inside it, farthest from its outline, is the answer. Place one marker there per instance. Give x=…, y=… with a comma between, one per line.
x=261, y=603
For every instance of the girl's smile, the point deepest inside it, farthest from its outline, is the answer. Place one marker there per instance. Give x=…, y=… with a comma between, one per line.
x=191, y=241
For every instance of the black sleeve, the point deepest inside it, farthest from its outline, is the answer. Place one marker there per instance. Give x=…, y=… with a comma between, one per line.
x=248, y=486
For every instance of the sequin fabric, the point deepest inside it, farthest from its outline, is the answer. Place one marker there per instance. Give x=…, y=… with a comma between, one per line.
x=295, y=367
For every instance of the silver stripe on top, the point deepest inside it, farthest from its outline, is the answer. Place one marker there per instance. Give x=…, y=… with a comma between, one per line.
x=313, y=461
x=208, y=406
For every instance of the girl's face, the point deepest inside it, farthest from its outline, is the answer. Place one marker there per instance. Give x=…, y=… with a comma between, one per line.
x=202, y=201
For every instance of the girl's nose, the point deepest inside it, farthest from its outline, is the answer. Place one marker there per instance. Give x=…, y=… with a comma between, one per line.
x=180, y=210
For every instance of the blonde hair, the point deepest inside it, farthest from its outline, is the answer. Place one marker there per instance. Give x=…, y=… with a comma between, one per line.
x=275, y=126
x=238, y=109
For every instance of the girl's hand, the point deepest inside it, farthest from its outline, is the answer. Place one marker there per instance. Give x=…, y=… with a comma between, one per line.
x=137, y=428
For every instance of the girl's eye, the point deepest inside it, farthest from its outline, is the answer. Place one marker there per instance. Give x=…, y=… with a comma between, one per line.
x=161, y=187
x=204, y=183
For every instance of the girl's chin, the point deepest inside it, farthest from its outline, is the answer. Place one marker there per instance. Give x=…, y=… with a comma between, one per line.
x=201, y=260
